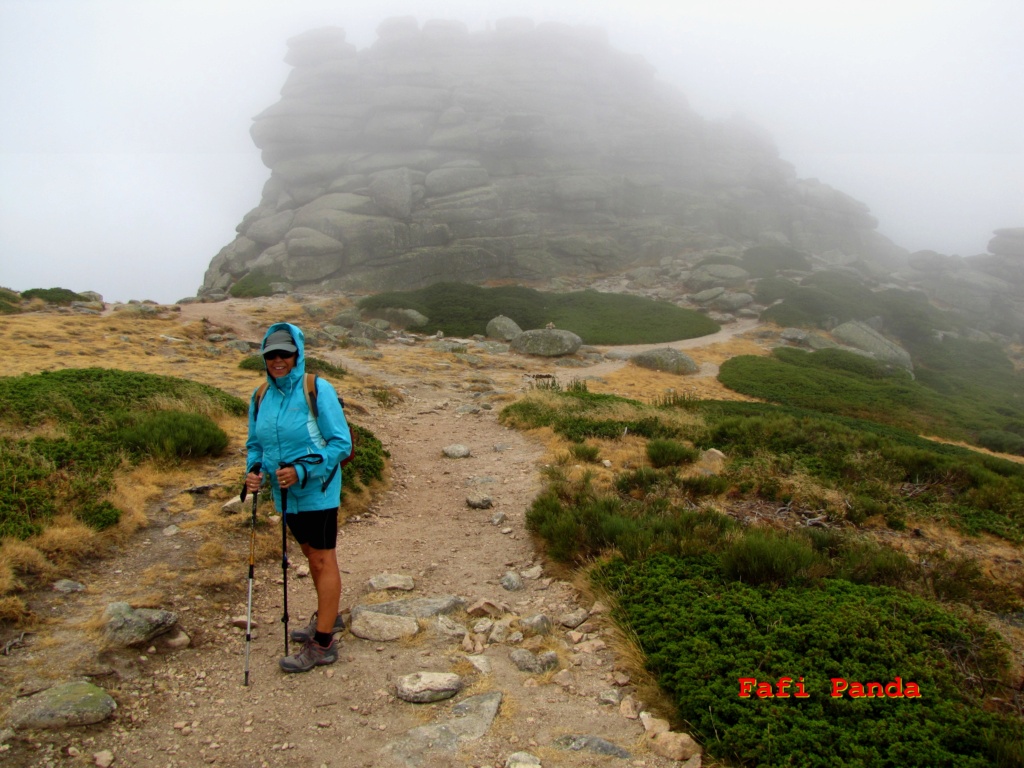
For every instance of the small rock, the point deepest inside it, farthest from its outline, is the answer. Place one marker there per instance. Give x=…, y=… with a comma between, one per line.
x=574, y=619
x=481, y=663
x=423, y=687
x=171, y=530
x=103, y=759
x=479, y=501
x=500, y=631
x=526, y=661
x=232, y=507
x=535, y=625
x=241, y=622
x=591, y=646
x=522, y=760
x=384, y=581
x=629, y=708
x=611, y=696
x=302, y=571
x=533, y=573
x=484, y=608
x=456, y=451
x=176, y=640
x=512, y=581
x=483, y=626
x=674, y=746
x=654, y=725
x=498, y=518
x=593, y=744
x=449, y=627
x=67, y=585
x=563, y=678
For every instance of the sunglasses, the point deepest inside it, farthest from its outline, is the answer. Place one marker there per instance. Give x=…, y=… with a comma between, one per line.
x=278, y=354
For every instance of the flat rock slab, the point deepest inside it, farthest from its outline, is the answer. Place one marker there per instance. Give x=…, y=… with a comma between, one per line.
x=471, y=719
x=415, y=607
x=382, y=627
x=594, y=744
x=75, y=703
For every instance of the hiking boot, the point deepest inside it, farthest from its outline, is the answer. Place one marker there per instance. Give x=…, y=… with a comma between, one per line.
x=305, y=633
x=312, y=655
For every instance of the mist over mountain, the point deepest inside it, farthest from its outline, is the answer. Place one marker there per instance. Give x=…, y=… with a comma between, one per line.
x=523, y=152
x=530, y=152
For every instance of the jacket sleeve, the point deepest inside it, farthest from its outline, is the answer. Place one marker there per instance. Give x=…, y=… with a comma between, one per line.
x=253, y=449
x=335, y=430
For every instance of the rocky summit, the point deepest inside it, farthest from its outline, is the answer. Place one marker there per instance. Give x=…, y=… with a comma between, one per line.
x=522, y=152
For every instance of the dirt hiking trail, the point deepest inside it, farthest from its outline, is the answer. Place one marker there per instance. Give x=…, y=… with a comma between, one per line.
x=188, y=707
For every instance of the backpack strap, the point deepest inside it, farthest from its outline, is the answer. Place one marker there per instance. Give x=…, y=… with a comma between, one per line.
x=257, y=397
x=308, y=389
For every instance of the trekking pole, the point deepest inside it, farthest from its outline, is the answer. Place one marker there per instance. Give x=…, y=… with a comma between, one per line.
x=312, y=458
x=284, y=563
x=252, y=568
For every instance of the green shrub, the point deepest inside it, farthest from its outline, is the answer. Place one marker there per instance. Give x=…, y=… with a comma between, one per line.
x=1001, y=442
x=700, y=634
x=368, y=462
x=670, y=453
x=172, y=435
x=252, y=285
x=639, y=482
x=584, y=452
x=865, y=563
x=698, y=486
x=762, y=557
x=460, y=309
x=99, y=515
x=60, y=296
x=10, y=302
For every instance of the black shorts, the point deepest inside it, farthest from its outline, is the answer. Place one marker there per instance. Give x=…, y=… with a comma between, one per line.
x=318, y=529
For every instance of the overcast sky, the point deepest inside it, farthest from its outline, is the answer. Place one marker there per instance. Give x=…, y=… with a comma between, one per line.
x=126, y=162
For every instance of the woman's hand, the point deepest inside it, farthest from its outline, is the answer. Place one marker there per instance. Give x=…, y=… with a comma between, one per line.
x=287, y=476
x=253, y=481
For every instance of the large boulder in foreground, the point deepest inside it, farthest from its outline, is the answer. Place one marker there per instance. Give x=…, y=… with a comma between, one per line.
x=546, y=342
x=69, y=704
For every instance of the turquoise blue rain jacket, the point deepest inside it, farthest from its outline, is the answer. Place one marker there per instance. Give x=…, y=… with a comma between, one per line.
x=286, y=431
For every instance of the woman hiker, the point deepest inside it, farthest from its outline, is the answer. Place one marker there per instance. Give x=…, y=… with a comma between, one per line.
x=300, y=454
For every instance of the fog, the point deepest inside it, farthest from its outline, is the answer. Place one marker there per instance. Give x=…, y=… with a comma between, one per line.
x=126, y=162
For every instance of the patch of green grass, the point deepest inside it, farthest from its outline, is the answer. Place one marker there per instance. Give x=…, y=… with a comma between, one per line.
x=460, y=309
x=107, y=417
x=961, y=398
x=252, y=285
x=61, y=296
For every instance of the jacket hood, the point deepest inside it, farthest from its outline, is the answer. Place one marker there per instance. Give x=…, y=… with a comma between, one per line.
x=296, y=373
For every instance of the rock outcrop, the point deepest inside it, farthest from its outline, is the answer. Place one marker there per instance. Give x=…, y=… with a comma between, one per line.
x=523, y=152
x=987, y=289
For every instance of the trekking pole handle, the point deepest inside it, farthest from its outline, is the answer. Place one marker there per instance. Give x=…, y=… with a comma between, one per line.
x=254, y=470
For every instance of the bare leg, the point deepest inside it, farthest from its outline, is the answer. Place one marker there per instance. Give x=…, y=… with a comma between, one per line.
x=323, y=567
